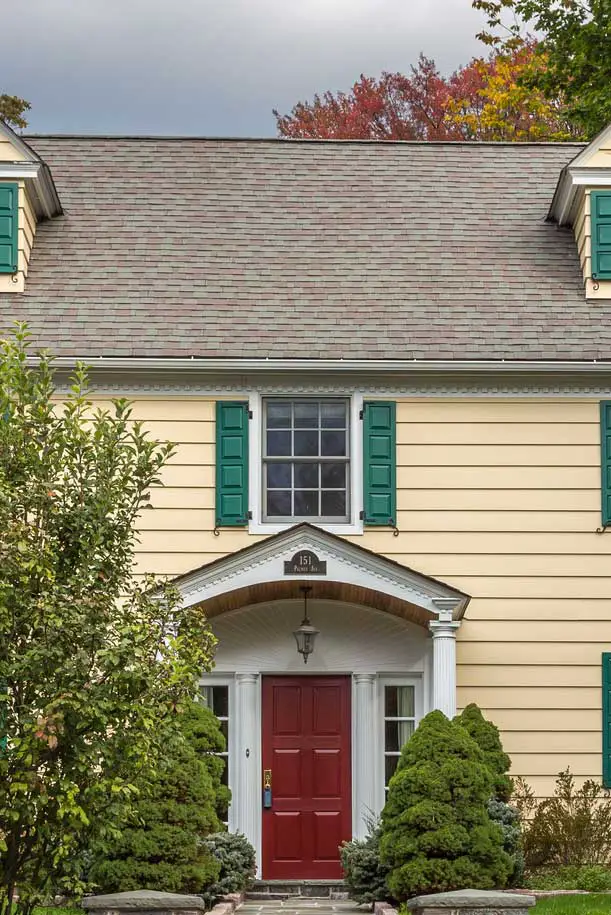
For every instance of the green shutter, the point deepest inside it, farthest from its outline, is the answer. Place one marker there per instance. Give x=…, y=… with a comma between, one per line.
x=231, y=463
x=607, y=719
x=600, y=208
x=379, y=463
x=9, y=222
x=605, y=460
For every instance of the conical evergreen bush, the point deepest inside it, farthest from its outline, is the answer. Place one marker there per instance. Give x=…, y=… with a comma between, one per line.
x=436, y=832
x=163, y=848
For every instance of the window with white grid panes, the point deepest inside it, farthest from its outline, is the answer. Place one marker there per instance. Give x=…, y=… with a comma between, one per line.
x=216, y=698
x=399, y=724
x=306, y=459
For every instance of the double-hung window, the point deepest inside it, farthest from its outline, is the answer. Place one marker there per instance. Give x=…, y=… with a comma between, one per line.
x=306, y=459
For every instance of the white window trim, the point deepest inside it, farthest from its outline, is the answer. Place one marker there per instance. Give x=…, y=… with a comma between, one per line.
x=255, y=464
x=414, y=680
x=214, y=680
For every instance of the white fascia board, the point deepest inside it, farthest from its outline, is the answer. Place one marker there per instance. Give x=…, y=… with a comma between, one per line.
x=203, y=366
x=40, y=183
x=572, y=179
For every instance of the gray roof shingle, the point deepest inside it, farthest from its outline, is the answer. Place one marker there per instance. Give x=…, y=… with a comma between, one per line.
x=220, y=248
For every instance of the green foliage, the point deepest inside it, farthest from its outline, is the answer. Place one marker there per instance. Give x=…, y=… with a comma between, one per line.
x=236, y=858
x=364, y=874
x=574, y=48
x=94, y=663
x=571, y=828
x=436, y=832
x=12, y=110
x=594, y=879
x=162, y=848
x=487, y=737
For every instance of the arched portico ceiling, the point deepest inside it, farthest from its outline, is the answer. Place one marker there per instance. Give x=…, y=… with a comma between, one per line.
x=353, y=573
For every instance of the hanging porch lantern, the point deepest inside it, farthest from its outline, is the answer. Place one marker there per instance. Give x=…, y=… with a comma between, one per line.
x=305, y=636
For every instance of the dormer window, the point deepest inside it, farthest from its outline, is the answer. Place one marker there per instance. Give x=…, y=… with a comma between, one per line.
x=600, y=214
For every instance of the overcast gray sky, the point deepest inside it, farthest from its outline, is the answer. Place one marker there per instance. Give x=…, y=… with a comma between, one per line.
x=211, y=67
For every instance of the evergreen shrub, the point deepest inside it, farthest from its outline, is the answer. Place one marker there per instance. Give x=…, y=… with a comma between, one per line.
x=163, y=848
x=235, y=857
x=364, y=874
x=436, y=832
x=487, y=737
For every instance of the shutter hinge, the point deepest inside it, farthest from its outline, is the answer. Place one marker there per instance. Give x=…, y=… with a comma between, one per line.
x=362, y=413
x=249, y=516
x=361, y=515
x=250, y=414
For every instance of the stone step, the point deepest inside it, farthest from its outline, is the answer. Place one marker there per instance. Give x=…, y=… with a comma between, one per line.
x=263, y=890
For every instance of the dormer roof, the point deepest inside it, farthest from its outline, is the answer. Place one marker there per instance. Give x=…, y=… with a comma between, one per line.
x=28, y=166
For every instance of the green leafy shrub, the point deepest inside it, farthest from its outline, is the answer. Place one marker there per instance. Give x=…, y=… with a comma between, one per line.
x=364, y=874
x=163, y=848
x=593, y=879
x=436, y=832
x=487, y=737
x=235, y=857
x=571, y=828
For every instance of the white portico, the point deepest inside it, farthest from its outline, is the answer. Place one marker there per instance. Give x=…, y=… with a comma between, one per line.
x=386, y=653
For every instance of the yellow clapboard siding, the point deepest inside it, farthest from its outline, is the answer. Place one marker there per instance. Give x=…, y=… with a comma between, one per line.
x=563, y=742
x=498, y=411
x=176, y=497
x=452, y=433
x=190, y=477
x=559, y=609
x=567, y=654
x=195, y=455
x=550, y=455
x=515, y=673
x=497, y=477
x=515, y=566
x=9, y=153
x=169, y=409
x=172, y=564
x=543, y=698
x=195, y=432
x=451, y=543
x=499, y=499
x=533, y=587
x=198, y=540
x=543, y=631
x=586, y=765
x=497, y=521
x=532, y=719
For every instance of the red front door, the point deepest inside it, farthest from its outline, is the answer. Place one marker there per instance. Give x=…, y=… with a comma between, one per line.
x=306, y=747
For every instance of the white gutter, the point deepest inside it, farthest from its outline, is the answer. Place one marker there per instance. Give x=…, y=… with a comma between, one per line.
x=115, y=364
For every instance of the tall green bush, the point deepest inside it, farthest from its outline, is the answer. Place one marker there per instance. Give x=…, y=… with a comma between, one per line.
x=487, y=737
x=163, y=848
x=436, y=832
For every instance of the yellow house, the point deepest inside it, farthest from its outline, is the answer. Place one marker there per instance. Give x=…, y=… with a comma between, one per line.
x=388, y=369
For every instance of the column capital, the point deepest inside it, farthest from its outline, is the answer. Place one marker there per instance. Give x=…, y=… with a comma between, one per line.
x=365, y=678
x=446, y=606
x=444, y=629
x=247, y=678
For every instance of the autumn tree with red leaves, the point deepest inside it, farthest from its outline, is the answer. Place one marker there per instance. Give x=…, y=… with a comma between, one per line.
x=484, y=100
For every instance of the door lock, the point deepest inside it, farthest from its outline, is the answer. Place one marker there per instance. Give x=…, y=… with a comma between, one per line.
x=267, y=788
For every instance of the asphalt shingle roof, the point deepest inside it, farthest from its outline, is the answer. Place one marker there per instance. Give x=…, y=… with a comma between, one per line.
x=261, y=248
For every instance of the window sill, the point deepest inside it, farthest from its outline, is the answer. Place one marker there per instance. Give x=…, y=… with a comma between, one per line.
x=275, y=527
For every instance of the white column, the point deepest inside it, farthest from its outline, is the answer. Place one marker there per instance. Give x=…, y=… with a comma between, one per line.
x=444, y=665
x=247, y=794
x=366, y=745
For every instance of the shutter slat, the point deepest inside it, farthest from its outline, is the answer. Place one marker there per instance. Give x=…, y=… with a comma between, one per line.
x=231, y=463
x=600, y=208
x=379, y=463
x=605, y=461
x=9, y=226
x=606, y=703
